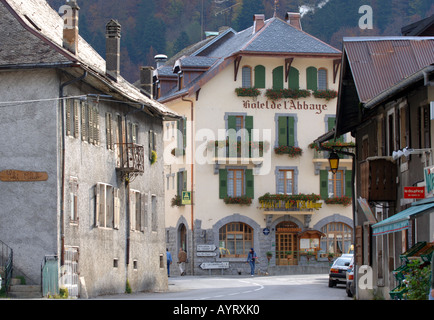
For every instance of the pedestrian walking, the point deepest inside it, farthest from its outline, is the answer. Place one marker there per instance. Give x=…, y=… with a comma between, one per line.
x=251, y=259
x=182, y=259
x=431, y=296
x=169, y=261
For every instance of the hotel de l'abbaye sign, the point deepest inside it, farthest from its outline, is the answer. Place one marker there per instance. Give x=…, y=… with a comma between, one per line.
x=288, y=105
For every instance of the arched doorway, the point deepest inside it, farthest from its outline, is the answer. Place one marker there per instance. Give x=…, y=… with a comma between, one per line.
x=287, y=243
x=182, y=237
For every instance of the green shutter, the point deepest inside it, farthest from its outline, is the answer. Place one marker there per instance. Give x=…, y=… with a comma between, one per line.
x=260, y=77
x=283, y=131
x=278, y=78
x=294, y=79
x=223, y=186
x=291, y=131
x=348, y=183
x=232, y=122
x=250, y=186
x=312, y=78
x=324, y=184
x=331, y=125
x=249, y=128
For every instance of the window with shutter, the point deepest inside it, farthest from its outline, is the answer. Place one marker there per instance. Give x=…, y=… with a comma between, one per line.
x=286, y=132
x=260, y=77
x=68, y=103
x=331, y=123
x=73, y=199
x=154, y=213
x=104, y=206
x=278, y=78
x=312, y=78
x=117, y=209
x=335, y=185
x=294, y=79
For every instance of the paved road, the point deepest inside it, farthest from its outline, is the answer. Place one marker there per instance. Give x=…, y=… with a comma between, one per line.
x=201, y=288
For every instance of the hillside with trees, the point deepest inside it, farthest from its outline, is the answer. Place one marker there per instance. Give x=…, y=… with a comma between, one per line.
x=166, y=26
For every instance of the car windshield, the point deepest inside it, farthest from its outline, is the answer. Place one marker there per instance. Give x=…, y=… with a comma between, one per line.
x=340, y=262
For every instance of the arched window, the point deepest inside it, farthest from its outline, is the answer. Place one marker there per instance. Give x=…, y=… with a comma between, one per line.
x=278, y=78
x=235, y=239
x=294, y=79
x=338, y=238
x=247, y=77
x=322, y=79
x=312, y=78
x=260, y=77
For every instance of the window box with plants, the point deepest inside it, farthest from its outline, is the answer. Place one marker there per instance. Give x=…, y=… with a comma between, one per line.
x=243, y=200
x=343, y=201
x=291, y=151
x=236, y=148
x=285, y=202
x=325, y=94
x=247, y=92
x=277, y=94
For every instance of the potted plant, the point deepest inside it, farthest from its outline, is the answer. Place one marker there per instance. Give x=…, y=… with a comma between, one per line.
x=269, y=256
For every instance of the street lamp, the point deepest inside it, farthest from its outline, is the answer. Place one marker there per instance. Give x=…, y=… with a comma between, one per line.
x=334, y=162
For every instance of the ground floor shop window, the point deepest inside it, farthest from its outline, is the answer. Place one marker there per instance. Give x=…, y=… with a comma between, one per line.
x=338, y=238
x=235, y=239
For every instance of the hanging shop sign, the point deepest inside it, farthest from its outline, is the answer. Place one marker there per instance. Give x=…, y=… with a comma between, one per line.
x=294, y=105
x=186, y=198
x=414, y=192
x=22, y=176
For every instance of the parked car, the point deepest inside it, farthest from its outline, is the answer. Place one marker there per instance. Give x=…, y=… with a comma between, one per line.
x=350, y=279
x=338, y=271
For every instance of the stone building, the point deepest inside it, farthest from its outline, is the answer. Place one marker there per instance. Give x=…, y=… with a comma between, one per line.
x=82, y=189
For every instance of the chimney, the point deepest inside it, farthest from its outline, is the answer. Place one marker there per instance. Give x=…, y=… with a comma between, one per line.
x=147, y=80
x=70, y=28
x=113, y=49
x=258, y=22
x=160, y=59
x=294, y=19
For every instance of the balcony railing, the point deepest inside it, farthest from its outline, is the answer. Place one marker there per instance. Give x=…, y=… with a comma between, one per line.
x=131, y=158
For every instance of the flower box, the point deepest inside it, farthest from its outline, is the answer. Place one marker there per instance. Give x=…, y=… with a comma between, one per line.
x=291, y=151
x=247, y=92
x=325, y=94
x=277, y=94
x=344, y=201
x=243, y=200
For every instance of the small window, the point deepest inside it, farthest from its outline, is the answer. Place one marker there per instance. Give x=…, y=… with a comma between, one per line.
x=285, y=183
x=322, y=79
x=247, y=77
x=115, y=263
x=135, y=264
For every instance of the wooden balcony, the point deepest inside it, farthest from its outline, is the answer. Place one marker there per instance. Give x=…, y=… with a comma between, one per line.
x=378, y=179
x=131, y=158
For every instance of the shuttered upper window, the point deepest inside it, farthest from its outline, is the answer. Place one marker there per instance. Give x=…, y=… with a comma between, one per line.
x=312, y=78
x=337, y=185
x=322, y=79
x=286, y=131
x=236, y=183
x=278, y=78
x=260, y=77
x=294, y=79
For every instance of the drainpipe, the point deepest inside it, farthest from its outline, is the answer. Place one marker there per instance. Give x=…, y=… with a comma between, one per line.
x=192, y=182
x=62, y=193
x=127, y=194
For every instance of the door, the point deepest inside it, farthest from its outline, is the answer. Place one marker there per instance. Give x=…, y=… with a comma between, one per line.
x=287, y=244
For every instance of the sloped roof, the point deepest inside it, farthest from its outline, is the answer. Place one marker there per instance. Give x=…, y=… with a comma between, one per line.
x=378, y=63
x=277, y=37
x=32, y=35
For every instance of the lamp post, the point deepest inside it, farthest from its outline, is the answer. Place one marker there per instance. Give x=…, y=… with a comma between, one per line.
x=334, y=162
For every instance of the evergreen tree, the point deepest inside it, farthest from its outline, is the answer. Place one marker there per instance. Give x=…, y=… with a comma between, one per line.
x=248, y=9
